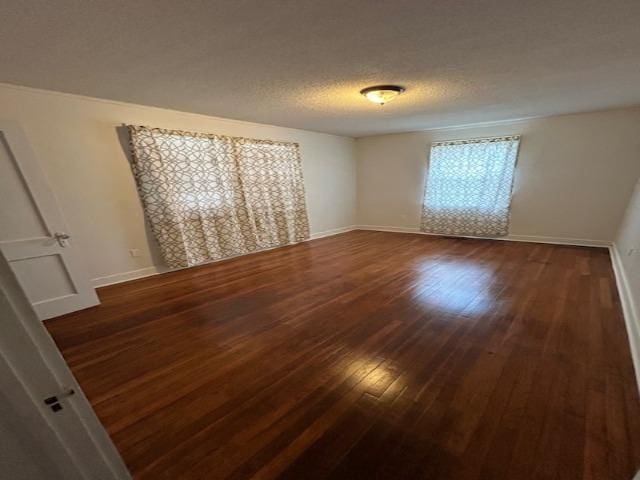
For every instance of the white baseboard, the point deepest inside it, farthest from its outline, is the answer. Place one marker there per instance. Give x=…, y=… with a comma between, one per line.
x=334, y=231
x=580, y=242
x=631, y=316
x=380, y=228
x=512, y=238
x=124, y=277
x=147, y=272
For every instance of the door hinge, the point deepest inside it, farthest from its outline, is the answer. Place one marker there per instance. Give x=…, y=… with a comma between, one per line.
x=54, y=401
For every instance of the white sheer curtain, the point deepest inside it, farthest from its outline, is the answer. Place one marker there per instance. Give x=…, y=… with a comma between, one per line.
x=468, y=190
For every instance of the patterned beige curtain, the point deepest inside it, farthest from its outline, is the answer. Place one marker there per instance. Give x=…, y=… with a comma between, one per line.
x=468, y=189
x=209, y=197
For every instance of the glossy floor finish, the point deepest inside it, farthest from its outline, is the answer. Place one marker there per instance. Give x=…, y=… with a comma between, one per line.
x=367, y=355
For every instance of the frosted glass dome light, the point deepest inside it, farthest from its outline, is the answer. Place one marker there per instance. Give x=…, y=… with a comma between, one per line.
x=382, y=94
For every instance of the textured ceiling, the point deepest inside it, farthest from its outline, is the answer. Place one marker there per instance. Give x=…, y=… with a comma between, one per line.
x=301, y=63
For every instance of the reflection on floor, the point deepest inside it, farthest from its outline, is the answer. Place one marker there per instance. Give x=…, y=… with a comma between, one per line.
x=367, y=355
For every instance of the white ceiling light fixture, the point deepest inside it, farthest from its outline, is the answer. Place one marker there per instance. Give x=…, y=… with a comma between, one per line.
x=382, y=94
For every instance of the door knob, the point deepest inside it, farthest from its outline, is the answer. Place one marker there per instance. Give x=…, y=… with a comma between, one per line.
x=54, y=401
x=62, y=238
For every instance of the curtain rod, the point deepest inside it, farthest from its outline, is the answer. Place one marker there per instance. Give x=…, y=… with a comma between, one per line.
x=207, y=135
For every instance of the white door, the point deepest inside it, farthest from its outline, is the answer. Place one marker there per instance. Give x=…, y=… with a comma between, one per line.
x=33, y=235
x=48, y=429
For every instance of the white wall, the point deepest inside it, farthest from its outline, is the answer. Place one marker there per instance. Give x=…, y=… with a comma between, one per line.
x=76, y=141
x=626, y=257
x=574, y=176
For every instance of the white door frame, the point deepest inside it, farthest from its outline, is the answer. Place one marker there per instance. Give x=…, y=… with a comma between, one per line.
x=31, y=370
x=46, y=206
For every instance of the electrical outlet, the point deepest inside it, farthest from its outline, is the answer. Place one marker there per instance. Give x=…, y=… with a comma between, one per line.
x=134, y=252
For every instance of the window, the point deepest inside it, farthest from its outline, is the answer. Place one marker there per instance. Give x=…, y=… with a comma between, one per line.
x=468, y=189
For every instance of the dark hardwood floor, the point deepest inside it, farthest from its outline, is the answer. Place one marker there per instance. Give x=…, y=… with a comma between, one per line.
x=367, y=355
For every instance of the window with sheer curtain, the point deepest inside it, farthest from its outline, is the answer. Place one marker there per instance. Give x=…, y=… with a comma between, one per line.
x=209, y=196
x=469, y=184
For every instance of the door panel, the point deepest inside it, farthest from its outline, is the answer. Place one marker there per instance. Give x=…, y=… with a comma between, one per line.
x=33, y=236
x=62, y=443
x=57, y=284
x=16, y=223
